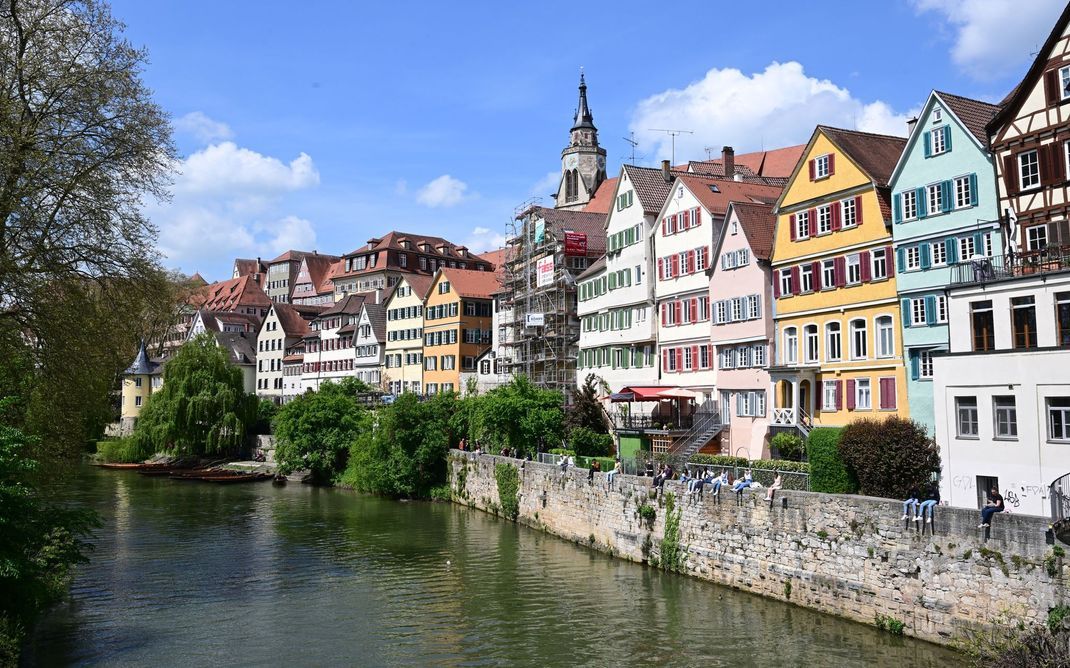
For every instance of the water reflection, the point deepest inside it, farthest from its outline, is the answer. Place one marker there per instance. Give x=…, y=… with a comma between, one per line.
x=196, y=574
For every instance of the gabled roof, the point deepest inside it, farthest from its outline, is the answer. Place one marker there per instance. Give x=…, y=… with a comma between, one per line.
x=777, y=163
x=727, y=192
x=392, y=242
x=602, y=201
x=229, y=295
x=973, y=114
x=350, y=304
x=650, y=187
x=319, y=267
x=876, y=155
x=1014, y=99
x=246, y=267
x=758, y=223
x=240, y=347
x=468, y=283
x=420, y=282
x=376, y=315
x=294, y=318
x=334, y=270
x=498, y=258
x=290, y=256
x=558, y=221
x=598, y=266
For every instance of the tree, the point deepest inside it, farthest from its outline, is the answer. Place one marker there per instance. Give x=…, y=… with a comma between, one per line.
x=586, y=411
x=891, y=458
x=520, y=415
x=202, y=407
x=587, y=443
x=828, y=473
x=316, y=430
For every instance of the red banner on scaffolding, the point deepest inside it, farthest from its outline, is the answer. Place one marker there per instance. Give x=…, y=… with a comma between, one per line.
x=575, y=243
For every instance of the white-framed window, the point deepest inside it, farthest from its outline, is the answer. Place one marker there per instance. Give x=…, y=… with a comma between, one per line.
x=828, y=401
x=879, y=262
x=885, y=336
x=1066, y=157
x=854, y=269
x=638, y=275
x=938, y=253
x=935, y=197
x=859, y=339
x=910, y=204
x=791, y=345
x=833, y=342
x=785, y=281
x=937, y=115
x=137, y=381
x=802, y=225
x=1005, y=414
x=806, y=278
x=722, y=312
x=966, y=416
x=759, y=355
x=810, y=343
x=925, y=363
x=1058, y=409
x=828, y=274
x=754, y=307
x=824, y=219
x=936, y=141
x=863, y=394
x=737, y=309
x=1028, y=170
x=1036, y=237
x=742, y=257
x=137, y=399
x=1064, y=81
x=848, y=213
x=941, y=308
x=821, y=166
x=728, y=260
x=967, y=249
x=963, y=192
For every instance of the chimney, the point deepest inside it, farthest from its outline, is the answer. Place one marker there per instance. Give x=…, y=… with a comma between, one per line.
x=665, y=172
x=910, y=124
x=378, y=294
x=728, y=161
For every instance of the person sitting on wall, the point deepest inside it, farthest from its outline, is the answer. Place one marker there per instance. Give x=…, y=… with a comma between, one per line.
x=994, y=505
x=777, y=484
x=926, y=507
x=719, y=481
x=909, y=503
x=743, y=483
x=617, y=470
x=564, y=463
x=686, y=476
x=595, y=468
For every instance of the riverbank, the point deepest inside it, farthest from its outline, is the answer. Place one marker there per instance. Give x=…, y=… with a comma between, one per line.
x=849, y=556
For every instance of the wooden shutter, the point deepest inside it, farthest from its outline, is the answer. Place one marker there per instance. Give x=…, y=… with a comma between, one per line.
x=851, y=394
x=1051, y=87
x=813, y=169
x=696, y=216
x=791, y=226
x=661, y=268
x=664, y=315
x=691, y=261
x=816, y=269
x=1058, y=163
x=675, y=271
x=678, y=311
x=858, y=210
x=836, y=210
x=832, y=164
x=664, y=227
x=864, y=265
x=694, y=309
x=811, y=219
x=665, y=359
x=839, y=395
x=679, y=360
x=1010, y=174
x=776, y=284
x=795, y=280
x=947, y=139
x=973, y=190
x=694, y=358
x=927, y=143
x=840, y=270
x=888, y=260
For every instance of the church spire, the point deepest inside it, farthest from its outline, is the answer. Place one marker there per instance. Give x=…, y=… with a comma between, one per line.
x=584, y=118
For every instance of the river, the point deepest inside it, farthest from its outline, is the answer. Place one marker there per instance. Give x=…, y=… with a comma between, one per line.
x=194, y=574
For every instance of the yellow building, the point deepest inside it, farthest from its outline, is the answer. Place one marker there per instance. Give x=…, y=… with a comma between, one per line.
x=839, y=356
x=404, y=359
x=457, y=326
x=140, y=380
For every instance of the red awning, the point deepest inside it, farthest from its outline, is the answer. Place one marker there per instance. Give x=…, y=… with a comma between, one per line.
x=646, y=393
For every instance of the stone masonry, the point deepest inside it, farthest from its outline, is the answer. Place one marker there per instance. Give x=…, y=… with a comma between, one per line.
x=849, y=556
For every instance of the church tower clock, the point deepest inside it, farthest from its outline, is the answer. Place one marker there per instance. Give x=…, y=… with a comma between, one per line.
x=583, y=161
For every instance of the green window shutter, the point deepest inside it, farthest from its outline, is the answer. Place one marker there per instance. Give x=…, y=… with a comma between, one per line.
x=947, y=138
x=915, y=365
x=906, y=315
x=952, y=250
x=930, y=310
x=922, y=204
x=978, y=244
x=924, y=253
x=947, y=191
x=897, y=199
x=925, y=141
x=973, y=190
x=901, y=259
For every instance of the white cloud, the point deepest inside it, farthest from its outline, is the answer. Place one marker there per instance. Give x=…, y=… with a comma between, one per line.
x=483, y=239
x=994, y=37
x=202, y=128
x=777, y=107
x=546, y=186
x=229, y=202
x=445, y=191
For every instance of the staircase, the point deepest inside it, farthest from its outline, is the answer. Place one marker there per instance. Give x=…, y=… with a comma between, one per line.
x=706, y=426
x=1060, y=508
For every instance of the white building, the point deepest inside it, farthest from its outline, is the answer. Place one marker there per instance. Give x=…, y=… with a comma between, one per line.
x=284, y=326
x=329, y=353
x=1002, y=393
x=369, y=337
x=618, y=328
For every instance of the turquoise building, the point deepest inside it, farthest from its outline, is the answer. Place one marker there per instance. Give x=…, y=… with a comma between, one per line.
x=944, y=212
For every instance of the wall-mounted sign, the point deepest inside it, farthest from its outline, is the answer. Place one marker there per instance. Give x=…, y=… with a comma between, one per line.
x=535, y=320
x=544, y=271
x=575, y=244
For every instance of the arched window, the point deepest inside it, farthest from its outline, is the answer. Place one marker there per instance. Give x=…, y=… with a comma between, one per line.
x=885, y=336
x=810, y=343
x=572, y=185
x=791, y=345
x=859, y=340
x=833, y=342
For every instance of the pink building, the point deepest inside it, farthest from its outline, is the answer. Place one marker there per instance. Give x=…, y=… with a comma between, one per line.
x=742, y=324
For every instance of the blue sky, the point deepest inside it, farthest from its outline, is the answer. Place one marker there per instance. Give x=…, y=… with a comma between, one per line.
x=317, y=125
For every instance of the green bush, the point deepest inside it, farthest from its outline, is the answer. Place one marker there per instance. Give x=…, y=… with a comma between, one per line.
x=606, y=463
x=316, y=430
x=562, y=451
x=588, y=443
x=788, y=445
x=508, y=479
x=828, y=473
x=890, y=458
x=122, y=451
x=441, y=493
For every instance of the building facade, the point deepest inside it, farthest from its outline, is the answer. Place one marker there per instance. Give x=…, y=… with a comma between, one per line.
x=328, y=353
x=284, y=326
x=143, y=377
x=369, y=338
x=457, y=326
x=313, y=284
x=404, y=354
x=944, y=214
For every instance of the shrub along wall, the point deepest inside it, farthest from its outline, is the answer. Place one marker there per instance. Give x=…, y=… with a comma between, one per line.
x=828, y=473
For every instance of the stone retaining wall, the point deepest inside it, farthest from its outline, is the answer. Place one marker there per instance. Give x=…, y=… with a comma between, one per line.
x=846, y=555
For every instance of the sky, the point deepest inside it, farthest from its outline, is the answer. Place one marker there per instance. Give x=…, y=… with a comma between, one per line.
x=318, y=125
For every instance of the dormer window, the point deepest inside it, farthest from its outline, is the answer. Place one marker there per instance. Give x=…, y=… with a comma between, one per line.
x=821, y=167
x=938, y=115
x=443, y=287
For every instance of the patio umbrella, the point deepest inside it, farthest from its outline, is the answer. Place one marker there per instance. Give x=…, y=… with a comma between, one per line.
x=679, y=393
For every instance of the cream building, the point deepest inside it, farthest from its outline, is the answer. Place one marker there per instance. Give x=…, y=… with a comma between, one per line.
x=404, y=359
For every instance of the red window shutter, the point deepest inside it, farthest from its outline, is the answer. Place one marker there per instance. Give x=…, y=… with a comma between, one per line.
x=691, y=261
x=791, y=224
x=811, y=218
x=863, y=260
x=776, y=284
x=664, y=316
x=836, y=218
x=832, y=164
x=661, y=269
x=850, y=395
x=684, y=221
x=1051, y=87
x=888, y=393
x=813, y=167
x=858, y=210
x=664, y=226
x=679, y=359
x=839, y=395
x=694, y=309
x=795, y=280
x=1010, y=174
x=840, y=266
x=816, y=269
x=665, y=359
x=694, y=357
x=676, y=264
x=889, y=260
x=696, y=216
x=675, y=223
x=678, y=311
x=1044, y=160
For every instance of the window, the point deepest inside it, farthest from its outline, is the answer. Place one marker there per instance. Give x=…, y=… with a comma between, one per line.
x=737, y=309
x=854, y=269
x=925, y=364
x=1036, y=237
x=1028, y=169
x=966, y=248
x=754, y=307
x=1024, y=319
x=1006, y=416
x=791, y=345
x=938, y=253
x=759, y=355
x=885, y=336
x=848, y=213
x=828, y=274
x=443, y=287
x=806, y=274
x=935, y=196
x=742, y=257
x=941, y=308
x=913, y=258
x=824, y=219
x=1064, y=81
x=638, y=275
x=821, y=167
x=833, y=342
x=137, y=381
x=137, y=400
x=937, y=141
x=722, y=312
x=963, y=192
x=810, y=342
x=785, y=281
x=863, y=394
x=830, y=396
x=858, y=339
x=966, y=416
x=1062, y=317
x=1058, y=418
x=879, y=260
x=802, y=225
x=910, y=205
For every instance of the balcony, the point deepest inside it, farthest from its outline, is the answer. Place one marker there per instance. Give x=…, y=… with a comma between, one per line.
x=1013, y=265
x=653, y=422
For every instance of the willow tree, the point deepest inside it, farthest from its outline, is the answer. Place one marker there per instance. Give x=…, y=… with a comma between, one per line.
x=202, y=407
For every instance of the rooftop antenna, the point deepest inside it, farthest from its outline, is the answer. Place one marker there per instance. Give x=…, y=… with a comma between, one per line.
x=634, y=143
x=673, y=133
x=709, y=152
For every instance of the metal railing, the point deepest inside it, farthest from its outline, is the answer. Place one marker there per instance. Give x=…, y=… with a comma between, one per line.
x=1060, y=507
x=707, y=424
x=654, y=422
x=1011, y=265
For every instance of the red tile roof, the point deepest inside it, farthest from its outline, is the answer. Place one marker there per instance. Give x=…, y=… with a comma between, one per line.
x=229, y=295
x=294, y=318
x=468, y=283
x=290, y=256
x=498, y=258
x=775, y=163
x=559, y=221
x=974, y=114
x=758, y=222
x=603, y=198
x=727, y=191
x=650, y=186
x=392, y=242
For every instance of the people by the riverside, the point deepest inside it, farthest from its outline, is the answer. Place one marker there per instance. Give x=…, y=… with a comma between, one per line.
x=719, y=481
x=744, y=482
x=618, y=468
x=696, y=485
x=685, y=476
x=595, y=467
x=665, y=474
x=925, y=509
x=564, y=463
x=778, y=483
x=463, y=445
x=910, y=504
x=994, y=505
